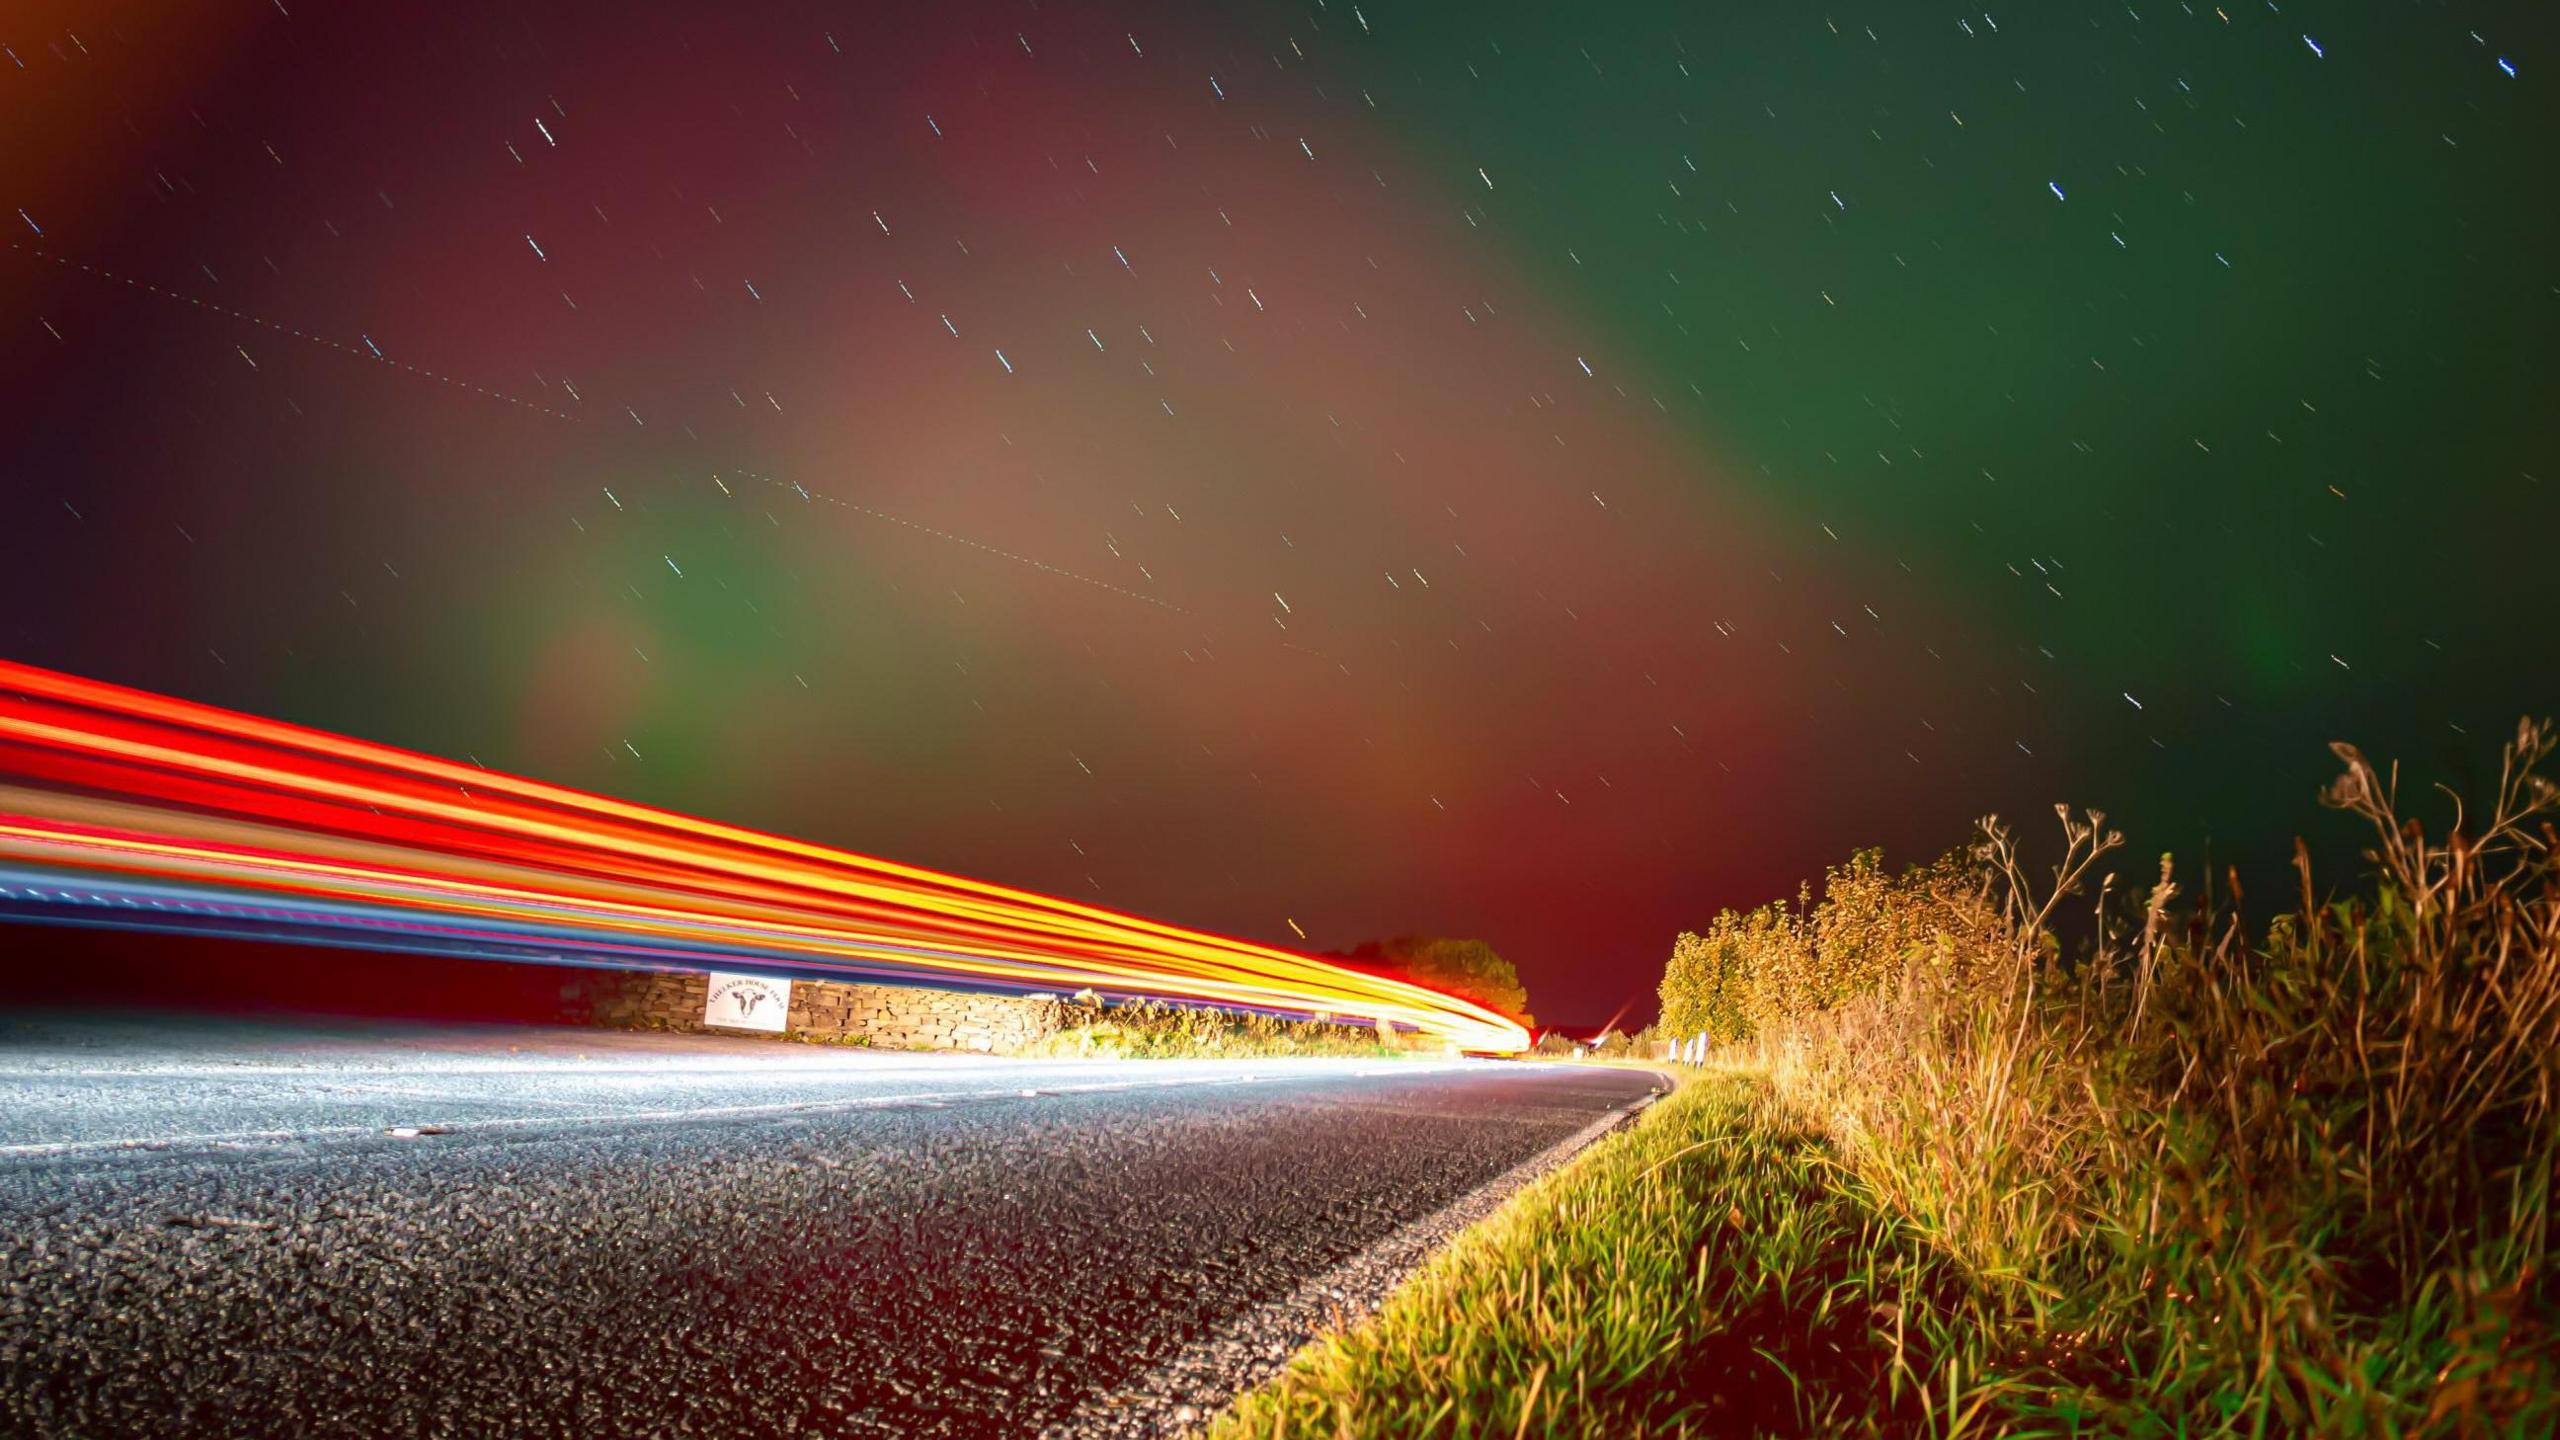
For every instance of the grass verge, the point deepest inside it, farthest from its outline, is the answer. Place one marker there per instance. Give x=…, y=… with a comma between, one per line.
x=1700, y=1273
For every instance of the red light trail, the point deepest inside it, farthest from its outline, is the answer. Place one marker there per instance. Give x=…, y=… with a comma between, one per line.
x=122, y=807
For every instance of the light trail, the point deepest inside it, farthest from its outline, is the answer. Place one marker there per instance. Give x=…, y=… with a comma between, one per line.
x=124, y=808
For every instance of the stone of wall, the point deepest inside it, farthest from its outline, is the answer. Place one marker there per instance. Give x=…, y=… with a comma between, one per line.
x=895, y=1017
x=638, y=999
x=915, y=1019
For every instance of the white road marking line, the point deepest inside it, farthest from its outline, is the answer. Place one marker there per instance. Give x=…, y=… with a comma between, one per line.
x=1316, y=1305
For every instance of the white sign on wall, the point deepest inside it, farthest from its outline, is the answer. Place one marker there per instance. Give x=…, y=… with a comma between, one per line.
x=748, y=1002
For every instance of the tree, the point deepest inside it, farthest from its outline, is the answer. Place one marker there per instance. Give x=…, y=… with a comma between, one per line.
x=1470, y=969
x=1716, y=983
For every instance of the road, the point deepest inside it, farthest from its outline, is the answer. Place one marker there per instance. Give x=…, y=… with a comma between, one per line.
x=236, y=1229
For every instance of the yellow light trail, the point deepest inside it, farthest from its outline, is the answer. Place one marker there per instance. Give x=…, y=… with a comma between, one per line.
x=126, y=793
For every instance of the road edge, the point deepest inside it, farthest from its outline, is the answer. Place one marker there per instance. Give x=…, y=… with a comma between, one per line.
x=1179, y=1396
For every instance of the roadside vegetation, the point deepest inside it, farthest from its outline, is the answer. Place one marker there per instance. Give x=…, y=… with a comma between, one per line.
x=1151, y=1030
x=2196, y=1175
x=1699, y=1273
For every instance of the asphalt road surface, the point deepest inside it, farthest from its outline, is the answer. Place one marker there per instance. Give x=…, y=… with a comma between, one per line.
x=227, y=1229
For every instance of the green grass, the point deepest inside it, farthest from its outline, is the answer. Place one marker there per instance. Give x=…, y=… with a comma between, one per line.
x=1700, y=1273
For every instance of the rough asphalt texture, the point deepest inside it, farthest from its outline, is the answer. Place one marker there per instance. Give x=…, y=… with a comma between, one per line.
x=602, y=1235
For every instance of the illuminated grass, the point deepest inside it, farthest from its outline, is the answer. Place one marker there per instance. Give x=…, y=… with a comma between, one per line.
x=2200, y=1179
x=1697, y=1274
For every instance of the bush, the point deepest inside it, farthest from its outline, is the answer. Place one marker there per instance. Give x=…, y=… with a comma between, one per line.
x=1781, y=962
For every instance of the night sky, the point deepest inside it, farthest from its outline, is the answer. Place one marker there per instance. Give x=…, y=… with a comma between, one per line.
x=1530, y=472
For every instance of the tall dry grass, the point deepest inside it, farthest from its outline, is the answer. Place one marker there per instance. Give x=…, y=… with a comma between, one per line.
x=2200, y=1177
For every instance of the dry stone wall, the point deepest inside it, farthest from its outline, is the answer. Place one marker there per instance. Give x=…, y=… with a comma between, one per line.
x=895, y=1017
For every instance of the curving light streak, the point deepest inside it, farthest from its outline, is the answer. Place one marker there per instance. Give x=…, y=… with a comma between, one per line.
x=121, y=807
